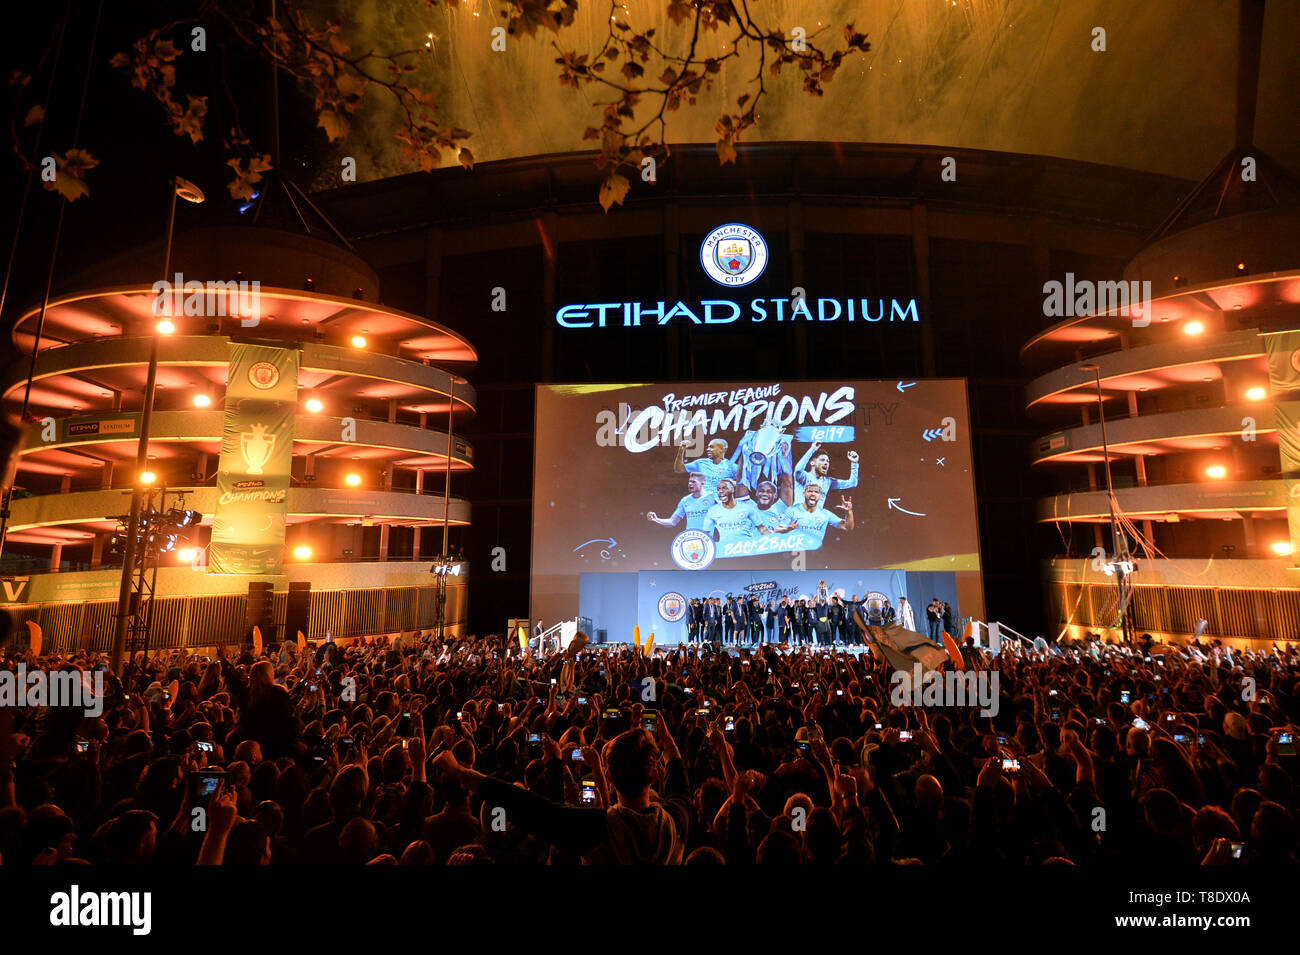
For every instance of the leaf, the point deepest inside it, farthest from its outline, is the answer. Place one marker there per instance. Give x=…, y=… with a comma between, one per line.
x=632, y=70
x=190, y=123
x=613, y=189
x=120, y=61
x=679, y=11
x=70, y=172
x=334, y=124
x=611, y=141
x=350, y=84
x=726, y=151
x=34, y=115
x=466, y=158
x=248, y=172
x=591, y=132
x=165, y=50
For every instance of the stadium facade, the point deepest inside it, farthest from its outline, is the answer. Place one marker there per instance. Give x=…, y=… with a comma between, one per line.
x=518, y=253
x=1198, y=381
x=342, y=491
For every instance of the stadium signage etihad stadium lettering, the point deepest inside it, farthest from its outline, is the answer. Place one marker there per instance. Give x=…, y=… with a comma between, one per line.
x=725, y=312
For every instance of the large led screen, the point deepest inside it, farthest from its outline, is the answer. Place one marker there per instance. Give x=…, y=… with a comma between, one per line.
x=689, y=488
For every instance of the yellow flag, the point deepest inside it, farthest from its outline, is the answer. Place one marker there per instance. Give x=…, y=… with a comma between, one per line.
x=302, y=640
x=35, y=629
x=523, y=639
x=636, y=635
x=649, y=644
x=257, y=640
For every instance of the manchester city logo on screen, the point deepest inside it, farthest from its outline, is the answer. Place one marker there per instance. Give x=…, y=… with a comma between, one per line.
x=693, y=550
x=733, y=254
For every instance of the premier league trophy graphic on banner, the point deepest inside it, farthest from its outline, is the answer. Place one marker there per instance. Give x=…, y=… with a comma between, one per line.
x=256, y=446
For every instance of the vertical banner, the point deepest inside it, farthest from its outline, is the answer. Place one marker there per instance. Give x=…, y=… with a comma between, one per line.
x=1284, y=380
x=256, y=460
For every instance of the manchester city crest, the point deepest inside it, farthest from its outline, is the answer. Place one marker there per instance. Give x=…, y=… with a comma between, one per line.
x=672, y=606
x=693, y=550
x=733, y=254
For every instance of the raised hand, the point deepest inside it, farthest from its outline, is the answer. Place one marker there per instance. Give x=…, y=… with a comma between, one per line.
x=223, y=810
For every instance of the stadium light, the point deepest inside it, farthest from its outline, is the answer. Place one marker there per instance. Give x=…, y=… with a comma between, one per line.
x=1281, y=548
x=186, y=555
x=358, y=341
x=180, y=189
x=148, y=478
x=353, y=480
x=1216, y=471
x=201, y=400
x=315, y=405
x=302, y=552
x=1194, y=328
x=1256, y=394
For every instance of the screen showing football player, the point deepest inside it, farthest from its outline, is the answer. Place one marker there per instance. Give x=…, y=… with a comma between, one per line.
x=733, y=520
x=811, y=519
x=815, y=468
x=713, y=467
x=765, y=455
x=694, y=506
x=771, y=509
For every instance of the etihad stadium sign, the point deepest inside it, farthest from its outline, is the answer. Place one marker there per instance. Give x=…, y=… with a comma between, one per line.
x=727, y=312
x=733, y=255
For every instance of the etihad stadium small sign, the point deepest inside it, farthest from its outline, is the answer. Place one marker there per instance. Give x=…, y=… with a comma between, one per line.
x=734, y=255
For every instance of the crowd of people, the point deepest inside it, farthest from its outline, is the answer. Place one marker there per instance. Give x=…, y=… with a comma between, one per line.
x=419, y=751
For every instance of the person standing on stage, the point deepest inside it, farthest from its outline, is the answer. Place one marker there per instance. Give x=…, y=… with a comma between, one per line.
x=802, y=622
x=692, y=620
x=836, y=615
x=822, y=612
x=934, y=619
x=946, y=617
x=887, y=615
x=906, y=619
x=769, y=621
x=783, y=620
x=755, y=621
x=731, y=619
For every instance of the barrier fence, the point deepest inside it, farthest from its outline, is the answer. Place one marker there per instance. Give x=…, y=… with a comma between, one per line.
x=1229, y=612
